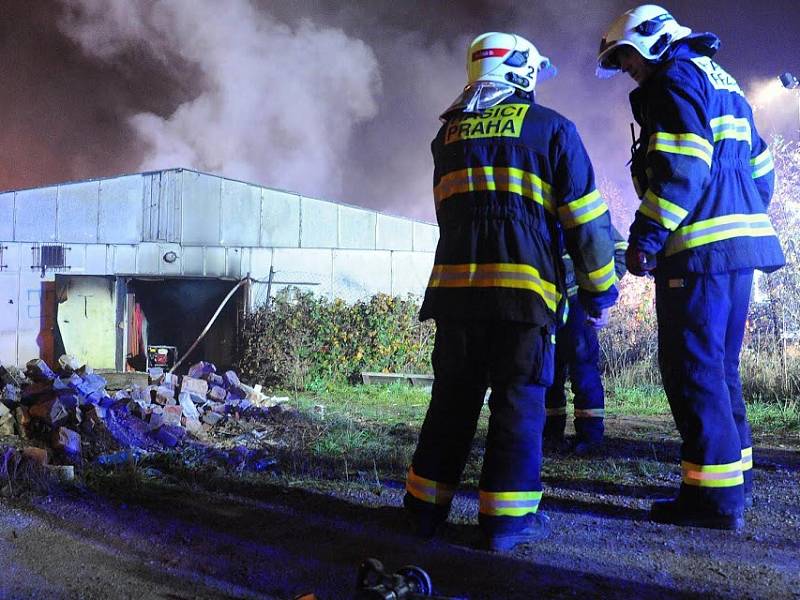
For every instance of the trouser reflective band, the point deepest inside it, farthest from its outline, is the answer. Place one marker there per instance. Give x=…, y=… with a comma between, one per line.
x=428, y=490
x=747, y=459
x=509, y=504
x=712, y=475
x=587, y=413
x=554, y=412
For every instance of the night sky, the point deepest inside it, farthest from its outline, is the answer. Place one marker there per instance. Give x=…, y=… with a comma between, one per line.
x=328, y=99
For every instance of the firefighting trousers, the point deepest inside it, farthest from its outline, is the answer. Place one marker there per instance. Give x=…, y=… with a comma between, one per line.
x=516, y=360
x=577, y=355
x=701, y=321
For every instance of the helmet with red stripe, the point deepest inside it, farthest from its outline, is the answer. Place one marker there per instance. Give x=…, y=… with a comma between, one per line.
x=507, y=58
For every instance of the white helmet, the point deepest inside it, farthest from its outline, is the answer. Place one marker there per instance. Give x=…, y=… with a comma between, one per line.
x=507, y=59
x=648, y=28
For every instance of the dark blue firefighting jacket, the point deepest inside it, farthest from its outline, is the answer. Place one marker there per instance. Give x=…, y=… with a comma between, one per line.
x=508, y=183
x=704, y=175
x=620, y=268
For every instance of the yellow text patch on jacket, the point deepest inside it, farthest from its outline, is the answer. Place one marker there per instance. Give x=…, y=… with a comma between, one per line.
x=503, y=120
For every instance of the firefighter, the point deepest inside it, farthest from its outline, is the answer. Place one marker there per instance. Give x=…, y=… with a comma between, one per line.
x=511, y=178
x=578, y=355
x=705, y=179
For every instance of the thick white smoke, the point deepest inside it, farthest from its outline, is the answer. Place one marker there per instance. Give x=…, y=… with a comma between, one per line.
x=273, y=104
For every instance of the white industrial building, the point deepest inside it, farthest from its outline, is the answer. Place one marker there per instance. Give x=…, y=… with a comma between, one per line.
x=95, y=268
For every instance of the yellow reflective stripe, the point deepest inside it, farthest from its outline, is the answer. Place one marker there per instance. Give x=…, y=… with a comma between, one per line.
x=555, y=412
x=588, y=413
x=728, y=127
x=508, y=504
x=663, y=212
x=499, y=179
x=599, y=280
x=747, y=459
x=428, y=490
x=762, y=164
x=507, y=275
x=717, y=229
x=727, y=475
x=584, y=209
x=621, y=245
x=688, y=144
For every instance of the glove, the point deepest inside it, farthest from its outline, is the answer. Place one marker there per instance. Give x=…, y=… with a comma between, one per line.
x=639, y=263
x=597, y=320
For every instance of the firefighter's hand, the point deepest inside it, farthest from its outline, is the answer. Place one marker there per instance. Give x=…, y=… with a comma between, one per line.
x=597, y=320
x=639, y=263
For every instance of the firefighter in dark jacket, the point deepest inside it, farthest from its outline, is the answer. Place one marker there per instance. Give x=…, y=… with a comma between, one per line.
x=578, y=356
x=510, y=179
x=705, y=179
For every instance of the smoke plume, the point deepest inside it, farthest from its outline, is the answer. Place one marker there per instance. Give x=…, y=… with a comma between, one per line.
x=275, y=104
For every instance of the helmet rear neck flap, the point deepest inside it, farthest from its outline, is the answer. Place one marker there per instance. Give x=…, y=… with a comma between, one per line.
x=500, y=65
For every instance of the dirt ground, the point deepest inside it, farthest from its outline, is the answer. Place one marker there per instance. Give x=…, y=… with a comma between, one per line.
x=277, y=542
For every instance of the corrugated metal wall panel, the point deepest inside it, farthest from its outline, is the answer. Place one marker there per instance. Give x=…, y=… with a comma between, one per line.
x=162, y=206
x=77, y=213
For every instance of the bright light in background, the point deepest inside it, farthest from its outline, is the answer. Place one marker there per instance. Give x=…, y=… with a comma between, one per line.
x=766, y=92
x=775, y=107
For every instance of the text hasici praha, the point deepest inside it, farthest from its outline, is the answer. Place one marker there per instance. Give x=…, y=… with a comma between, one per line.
x=499, y=121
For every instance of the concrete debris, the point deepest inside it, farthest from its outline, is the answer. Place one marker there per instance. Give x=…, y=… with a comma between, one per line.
x=71, y=412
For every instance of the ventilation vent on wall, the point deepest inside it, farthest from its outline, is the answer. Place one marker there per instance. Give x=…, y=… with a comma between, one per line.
x=49, y=256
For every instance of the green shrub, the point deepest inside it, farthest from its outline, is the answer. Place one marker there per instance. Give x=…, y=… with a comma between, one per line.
x=300, y=338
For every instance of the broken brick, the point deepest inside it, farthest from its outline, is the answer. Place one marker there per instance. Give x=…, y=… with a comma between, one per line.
x=194, y=386
x=172, y=415
x=36, y=455
x=217, y=393
x=231, y=379
x=212, y=418
x=202, y=370
x=39, y=370
x=51, y=412
x=189, y=409
x=67, y=440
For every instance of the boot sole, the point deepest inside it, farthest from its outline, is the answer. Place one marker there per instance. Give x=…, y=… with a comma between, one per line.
x=506, y=543
x=725, y=523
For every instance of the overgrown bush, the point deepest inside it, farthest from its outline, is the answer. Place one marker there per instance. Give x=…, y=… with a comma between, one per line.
x=770, y=360
x=299, y=338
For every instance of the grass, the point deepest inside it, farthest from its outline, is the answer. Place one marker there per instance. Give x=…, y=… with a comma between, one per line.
x=366, y=435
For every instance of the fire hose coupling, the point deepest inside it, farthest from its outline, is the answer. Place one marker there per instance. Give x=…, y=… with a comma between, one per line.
x=407, y=583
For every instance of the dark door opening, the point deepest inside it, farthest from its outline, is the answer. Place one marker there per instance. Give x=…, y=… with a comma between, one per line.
x=173, y=312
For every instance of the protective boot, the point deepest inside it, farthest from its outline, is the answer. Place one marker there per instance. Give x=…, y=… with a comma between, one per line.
x=678, y=512
x=537, y=528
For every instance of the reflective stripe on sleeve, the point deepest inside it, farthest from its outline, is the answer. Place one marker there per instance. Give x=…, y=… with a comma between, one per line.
x=728, y=127
x=687, y=144
x=727, y=475
x=499, y=179
x=508, y=504
x=663, y=212
x=506, y=275
x=747, y=459
x=623, y=245
x=717, y=229
x=589, y=413
x=556, y=412
x=762, y=164
x=428, y=490
x=599, y=280
x=584, y=209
